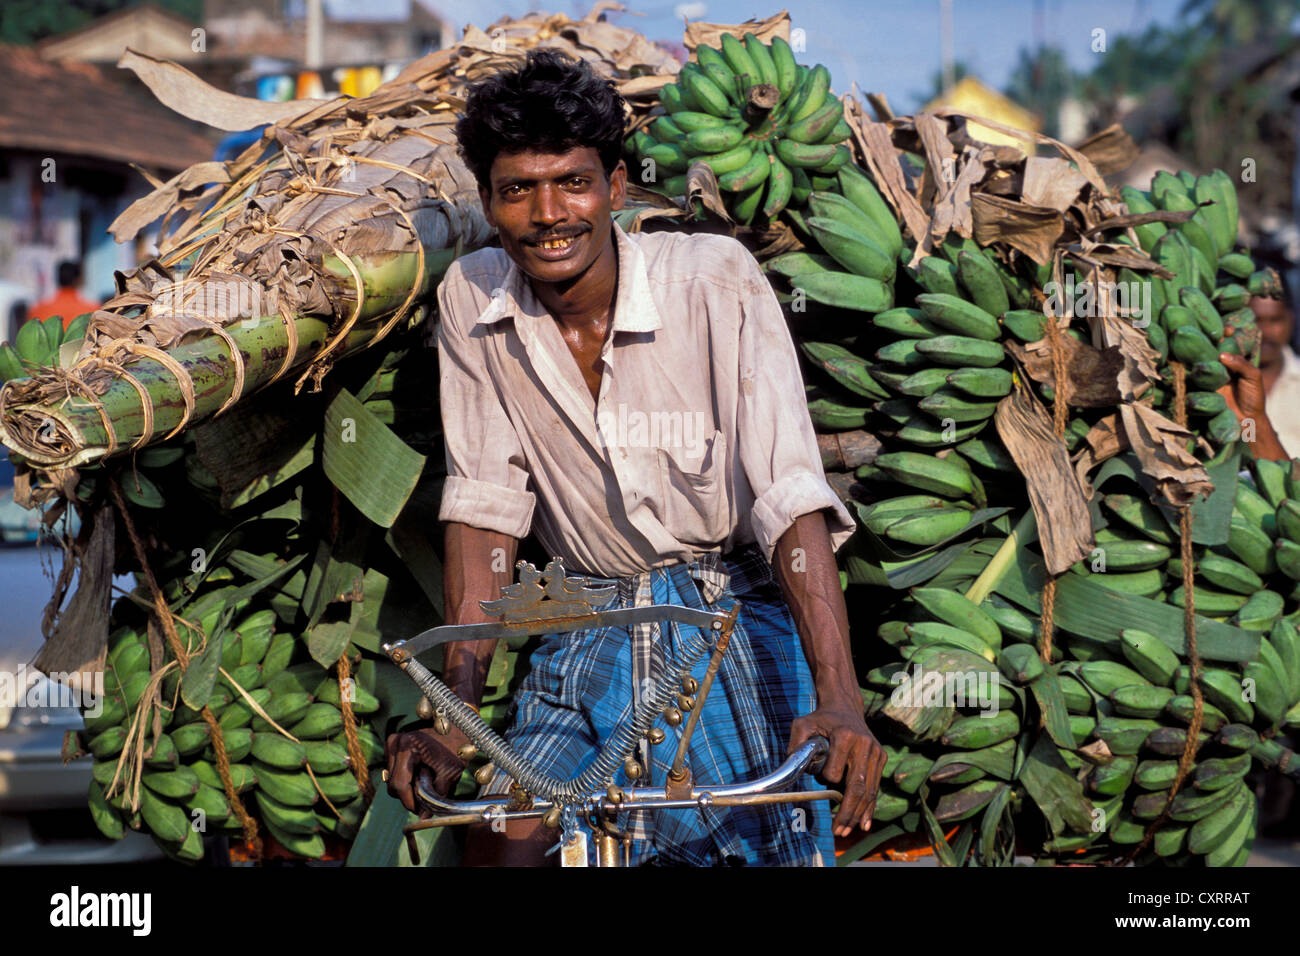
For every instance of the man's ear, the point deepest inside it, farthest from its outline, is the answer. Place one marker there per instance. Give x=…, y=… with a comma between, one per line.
x=484, y=198
x=618, y=186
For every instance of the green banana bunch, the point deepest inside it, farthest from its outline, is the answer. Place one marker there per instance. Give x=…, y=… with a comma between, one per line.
x=37, y=345
x=1116, y=710
x=257, y=691
x=767, y=127
x=1130, y=697
x=1201, y=311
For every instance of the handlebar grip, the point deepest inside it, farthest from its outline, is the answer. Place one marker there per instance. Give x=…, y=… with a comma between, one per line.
x=821, y=747
x=423, y=782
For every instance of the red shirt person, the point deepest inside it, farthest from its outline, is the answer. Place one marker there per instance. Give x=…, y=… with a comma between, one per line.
x=67, y=302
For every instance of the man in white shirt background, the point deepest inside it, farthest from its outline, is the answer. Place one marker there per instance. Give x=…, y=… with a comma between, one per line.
x=1280, y=367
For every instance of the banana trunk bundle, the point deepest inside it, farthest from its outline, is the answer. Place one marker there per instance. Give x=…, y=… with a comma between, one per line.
x=319, y=240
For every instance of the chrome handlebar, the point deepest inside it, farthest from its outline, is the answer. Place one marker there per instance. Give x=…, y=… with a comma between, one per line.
x=772, y=788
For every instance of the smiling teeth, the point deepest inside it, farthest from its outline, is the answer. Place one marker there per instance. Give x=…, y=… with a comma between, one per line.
x=556, y=243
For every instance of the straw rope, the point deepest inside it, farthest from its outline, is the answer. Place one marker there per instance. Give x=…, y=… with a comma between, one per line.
x=1189, y=632
x=165, y=618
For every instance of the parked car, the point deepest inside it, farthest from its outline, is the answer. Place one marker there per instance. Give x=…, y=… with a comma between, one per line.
x=43, y=813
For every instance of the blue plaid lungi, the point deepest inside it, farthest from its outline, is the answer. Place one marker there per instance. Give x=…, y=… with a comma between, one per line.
x=583, y=684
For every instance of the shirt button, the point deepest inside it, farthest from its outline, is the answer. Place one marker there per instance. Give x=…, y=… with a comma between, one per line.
x=623, y=452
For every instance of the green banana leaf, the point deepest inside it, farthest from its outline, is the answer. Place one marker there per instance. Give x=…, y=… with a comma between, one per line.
x=367, y=461
x=379, y=840
x=899, y=575
x=1211, y=516
x=1046, y=689
x=338, y=564
x=1054, y=789
x=907, y=823
x=201, y=675
x=997, y=821
x=1098, y=613
x=943, y=853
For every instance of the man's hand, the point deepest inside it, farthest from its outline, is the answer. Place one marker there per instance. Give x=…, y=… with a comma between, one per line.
x=1246, y=395
x=405, y=753
x=855, y=757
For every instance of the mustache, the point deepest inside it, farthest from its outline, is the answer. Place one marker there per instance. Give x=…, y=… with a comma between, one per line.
x=551, y=235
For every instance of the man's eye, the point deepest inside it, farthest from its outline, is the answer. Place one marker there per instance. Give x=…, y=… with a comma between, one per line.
x=578, y=182
x=512, y=191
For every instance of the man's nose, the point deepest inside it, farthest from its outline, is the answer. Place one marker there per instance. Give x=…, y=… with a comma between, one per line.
x=548, y=205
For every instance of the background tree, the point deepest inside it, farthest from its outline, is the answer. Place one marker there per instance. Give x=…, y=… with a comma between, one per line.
x=27, y=21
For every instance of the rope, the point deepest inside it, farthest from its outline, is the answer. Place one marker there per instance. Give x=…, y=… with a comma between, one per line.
x=1189, y=631
x=1060, y=414
x=212, y=244
x=359, y=764
x=183, y=659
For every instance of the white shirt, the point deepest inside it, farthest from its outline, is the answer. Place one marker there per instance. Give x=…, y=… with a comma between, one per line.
x=700, y=439
x=1283, y=403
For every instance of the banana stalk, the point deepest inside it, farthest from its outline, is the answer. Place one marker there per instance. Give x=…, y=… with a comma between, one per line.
x=38, y=422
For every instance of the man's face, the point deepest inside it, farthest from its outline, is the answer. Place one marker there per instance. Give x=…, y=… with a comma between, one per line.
x=1274, y=321
x=552, y=210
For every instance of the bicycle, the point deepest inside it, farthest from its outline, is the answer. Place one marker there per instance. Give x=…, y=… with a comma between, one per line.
x=551, y=602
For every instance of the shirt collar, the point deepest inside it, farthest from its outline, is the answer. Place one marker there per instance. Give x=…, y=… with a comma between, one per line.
x=634, y=306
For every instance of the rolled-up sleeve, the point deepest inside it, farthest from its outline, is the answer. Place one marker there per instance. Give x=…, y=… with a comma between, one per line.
x=487, y=478
x=778, y=447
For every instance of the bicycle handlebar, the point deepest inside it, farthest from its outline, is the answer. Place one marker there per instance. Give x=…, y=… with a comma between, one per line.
x=768, y=789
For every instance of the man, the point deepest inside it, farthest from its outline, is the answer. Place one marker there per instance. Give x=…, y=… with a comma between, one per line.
x=1277, y=379
x=555, y=351
x=67, y=302
x=1279, y=370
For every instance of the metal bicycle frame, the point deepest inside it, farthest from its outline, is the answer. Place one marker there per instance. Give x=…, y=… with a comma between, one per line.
x=526, y=611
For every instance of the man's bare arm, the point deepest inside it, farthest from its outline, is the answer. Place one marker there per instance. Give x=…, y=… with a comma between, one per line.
x=468, y=577
x=804, y=563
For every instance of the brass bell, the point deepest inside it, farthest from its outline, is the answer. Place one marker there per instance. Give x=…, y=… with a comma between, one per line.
x=672, y=716
x=615, y=794
x=685, y=701
x=484, y=773
x=467, y=752
x=551, y=820
x=632, y=769
x=441, y=725
x=424, y=709
x=689, y=684
x=655, y=735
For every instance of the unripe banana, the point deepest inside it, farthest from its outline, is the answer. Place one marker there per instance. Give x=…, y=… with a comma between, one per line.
x=747, y=177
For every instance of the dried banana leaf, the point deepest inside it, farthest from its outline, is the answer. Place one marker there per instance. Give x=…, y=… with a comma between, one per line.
x=322, y=238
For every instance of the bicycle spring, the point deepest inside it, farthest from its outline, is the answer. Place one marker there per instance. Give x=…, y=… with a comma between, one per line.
x=616, y=749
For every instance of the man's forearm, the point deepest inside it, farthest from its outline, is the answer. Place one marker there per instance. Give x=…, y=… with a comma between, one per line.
x=471, y=555
x=805, y=566
x=1267, y=443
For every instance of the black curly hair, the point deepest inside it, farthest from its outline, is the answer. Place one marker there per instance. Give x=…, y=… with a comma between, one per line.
x=552, y=103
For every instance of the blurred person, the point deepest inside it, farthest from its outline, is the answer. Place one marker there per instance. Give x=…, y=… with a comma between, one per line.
x=13, y=308
x=1277, y=379
x=67, y=302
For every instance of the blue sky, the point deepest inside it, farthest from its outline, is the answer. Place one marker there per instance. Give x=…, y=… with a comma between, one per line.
x=889, y=47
